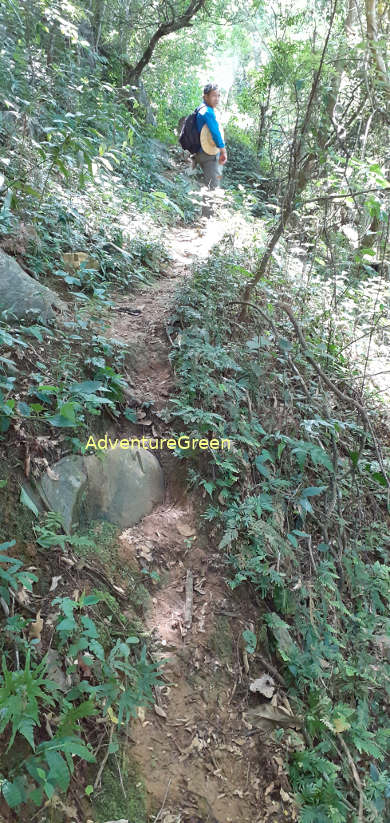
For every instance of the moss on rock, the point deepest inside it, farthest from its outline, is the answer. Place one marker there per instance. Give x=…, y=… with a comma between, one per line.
x=110, y=803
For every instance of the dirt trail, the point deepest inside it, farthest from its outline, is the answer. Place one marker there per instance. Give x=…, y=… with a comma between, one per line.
x=198, y=761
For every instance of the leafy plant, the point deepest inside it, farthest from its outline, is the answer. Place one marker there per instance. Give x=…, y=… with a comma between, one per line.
x=12, y=577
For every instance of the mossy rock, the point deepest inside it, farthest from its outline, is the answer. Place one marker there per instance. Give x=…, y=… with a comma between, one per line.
x=110, y=803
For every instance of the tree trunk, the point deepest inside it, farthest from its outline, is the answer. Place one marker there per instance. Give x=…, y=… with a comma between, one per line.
x=298, y=176
x=372, y=35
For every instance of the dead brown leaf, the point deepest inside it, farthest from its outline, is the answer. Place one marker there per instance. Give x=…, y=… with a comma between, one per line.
x=268, y=717
x=36, y=627
x=22, y=596
x=159, y=711
x=185, y=530
x=263, y=684
x=51, y=474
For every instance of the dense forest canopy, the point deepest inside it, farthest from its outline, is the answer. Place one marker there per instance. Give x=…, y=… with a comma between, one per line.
x=277, y=339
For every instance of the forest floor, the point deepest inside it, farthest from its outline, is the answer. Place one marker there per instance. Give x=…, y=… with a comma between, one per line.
x=199, y=758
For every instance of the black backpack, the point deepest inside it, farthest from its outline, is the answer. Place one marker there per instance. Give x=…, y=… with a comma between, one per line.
x=189, y=136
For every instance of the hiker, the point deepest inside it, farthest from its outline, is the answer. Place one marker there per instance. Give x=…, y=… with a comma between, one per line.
x=212, y=153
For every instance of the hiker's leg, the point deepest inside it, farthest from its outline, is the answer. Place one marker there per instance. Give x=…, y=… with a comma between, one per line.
x=209, y=166
x=212, y=178
x=211, y=172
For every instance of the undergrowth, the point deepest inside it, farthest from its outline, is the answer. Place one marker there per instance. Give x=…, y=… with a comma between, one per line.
x=71, y=679
x=300, y=503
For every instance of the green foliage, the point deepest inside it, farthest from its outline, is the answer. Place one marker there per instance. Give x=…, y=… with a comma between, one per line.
x=109, y=680
x=45, y=702
x=272, y=497
x=23, y=695
x=243, y=167
x=11, y=576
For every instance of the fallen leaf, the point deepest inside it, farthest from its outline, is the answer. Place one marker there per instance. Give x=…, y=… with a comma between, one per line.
x=269, y=717
x=146, y=553
x=48, y=727
x=196, y=744
x=285, y=797
x=159, y=711
x=86, y=670
x=54, y=582
x=340, y=725
x=51, y=474
x=185, y=530
x=54, y=670
x=118, y=589
x=36, y=627
x=22, y=596
x=264, y=684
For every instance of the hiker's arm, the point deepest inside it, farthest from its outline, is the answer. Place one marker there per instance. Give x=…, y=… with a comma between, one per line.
x=211, y=122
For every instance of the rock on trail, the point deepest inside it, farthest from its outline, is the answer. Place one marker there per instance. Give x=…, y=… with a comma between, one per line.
x=21, y=295
x=121, y=487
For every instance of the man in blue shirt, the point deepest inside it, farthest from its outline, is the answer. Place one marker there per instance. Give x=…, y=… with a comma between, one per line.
x=211, y=164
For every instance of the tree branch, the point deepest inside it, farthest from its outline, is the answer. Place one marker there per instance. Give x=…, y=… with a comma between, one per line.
x=181, y=22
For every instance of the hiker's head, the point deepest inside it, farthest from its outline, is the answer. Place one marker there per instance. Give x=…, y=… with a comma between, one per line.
x=211, y=95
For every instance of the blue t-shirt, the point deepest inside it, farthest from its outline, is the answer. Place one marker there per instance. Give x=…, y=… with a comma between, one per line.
x=206, y=115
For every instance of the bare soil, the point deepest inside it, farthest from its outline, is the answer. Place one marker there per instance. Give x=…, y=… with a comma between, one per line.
x=201, y=761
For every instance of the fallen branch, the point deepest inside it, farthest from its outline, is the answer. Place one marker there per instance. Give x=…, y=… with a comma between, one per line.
x=104, y=761
x=158, y=815
x=355, y=775
x=272, y=670
x=189, y=599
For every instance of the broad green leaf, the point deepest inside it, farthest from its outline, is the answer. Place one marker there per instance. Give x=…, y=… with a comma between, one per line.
x=313, y=491
x=26, y=500
x=12, y=794
x=250, y=641
x=59, y=773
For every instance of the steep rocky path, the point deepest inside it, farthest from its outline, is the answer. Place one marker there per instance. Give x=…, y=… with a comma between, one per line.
x=200, y=760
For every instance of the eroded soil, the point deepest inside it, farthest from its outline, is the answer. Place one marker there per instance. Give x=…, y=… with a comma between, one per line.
x=201, y=760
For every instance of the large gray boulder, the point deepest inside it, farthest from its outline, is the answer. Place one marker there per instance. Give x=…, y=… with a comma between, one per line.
x=64, y=489
x=21, y=295
x=121, y=486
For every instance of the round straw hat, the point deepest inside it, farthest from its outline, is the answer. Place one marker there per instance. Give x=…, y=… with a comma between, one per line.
x=207, y=142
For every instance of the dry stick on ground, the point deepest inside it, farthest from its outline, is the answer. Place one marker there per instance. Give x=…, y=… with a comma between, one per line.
x=104, y=761
x=356, y=777
x=158, y=815
x=189, y=599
